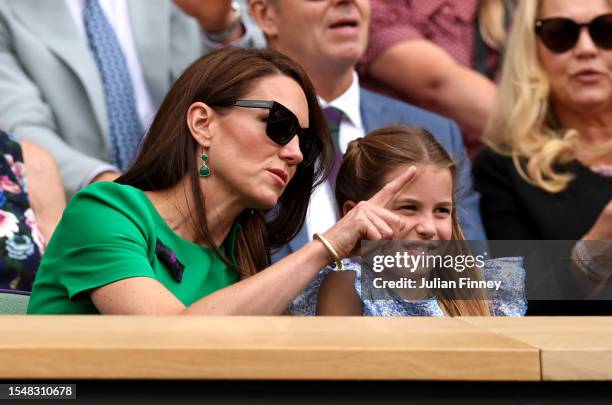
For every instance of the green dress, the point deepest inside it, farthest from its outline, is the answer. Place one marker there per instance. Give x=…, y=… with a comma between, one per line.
x=111, y=232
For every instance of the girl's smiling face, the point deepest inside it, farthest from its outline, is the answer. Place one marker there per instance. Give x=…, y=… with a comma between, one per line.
x=425, y=204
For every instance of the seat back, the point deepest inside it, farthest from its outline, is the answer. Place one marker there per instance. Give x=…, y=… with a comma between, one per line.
x=13, y=303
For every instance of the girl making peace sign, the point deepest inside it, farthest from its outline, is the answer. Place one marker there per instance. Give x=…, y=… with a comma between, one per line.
x=404, y=171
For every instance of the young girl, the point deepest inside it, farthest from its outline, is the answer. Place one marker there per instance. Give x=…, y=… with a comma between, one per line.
x=426, y=206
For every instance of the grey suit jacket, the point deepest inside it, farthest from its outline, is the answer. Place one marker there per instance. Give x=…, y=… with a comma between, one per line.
x=50, y=89
x=378, y=111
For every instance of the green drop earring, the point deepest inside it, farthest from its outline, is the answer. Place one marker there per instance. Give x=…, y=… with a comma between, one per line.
x=204, y=169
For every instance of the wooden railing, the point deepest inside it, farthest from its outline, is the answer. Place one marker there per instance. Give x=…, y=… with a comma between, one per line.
x=314, y=348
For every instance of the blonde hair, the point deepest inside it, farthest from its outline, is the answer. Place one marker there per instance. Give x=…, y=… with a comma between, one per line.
x=362, y=173
x=523, y=123
x=491, y=17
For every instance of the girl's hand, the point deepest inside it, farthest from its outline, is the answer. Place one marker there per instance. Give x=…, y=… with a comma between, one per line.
x=371, y=219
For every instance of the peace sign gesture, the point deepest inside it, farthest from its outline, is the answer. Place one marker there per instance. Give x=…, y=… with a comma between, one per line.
x=371, y=219
x=386, y=196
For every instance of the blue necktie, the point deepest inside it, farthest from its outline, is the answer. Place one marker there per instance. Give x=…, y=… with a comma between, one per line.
x=125, y=129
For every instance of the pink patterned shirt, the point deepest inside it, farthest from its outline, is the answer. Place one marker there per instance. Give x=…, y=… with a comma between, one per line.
x=450, y=24
x=447, y=23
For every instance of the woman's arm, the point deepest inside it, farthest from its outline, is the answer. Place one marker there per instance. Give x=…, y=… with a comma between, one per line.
x=431, y=78
x=597, y=248
x=337, y=295
x=45, y=190
x=270, y=291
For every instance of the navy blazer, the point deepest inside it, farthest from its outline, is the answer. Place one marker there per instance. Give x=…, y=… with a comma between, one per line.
x=378, y=111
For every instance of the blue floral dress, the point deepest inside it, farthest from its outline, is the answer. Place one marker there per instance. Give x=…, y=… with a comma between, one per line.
x=509, y=300
x=21, y=243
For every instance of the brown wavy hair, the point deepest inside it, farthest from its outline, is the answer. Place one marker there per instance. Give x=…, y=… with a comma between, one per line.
x=364, y=167
x=168, y=150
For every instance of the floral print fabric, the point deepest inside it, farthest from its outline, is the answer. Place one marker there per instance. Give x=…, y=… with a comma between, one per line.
x=21, y=243
x=510, y=300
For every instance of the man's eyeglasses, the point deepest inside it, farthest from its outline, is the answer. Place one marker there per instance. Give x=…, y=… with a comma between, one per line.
x=283, y=125
x=561, y=34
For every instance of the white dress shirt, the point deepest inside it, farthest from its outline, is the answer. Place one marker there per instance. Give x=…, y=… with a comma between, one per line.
x=322, y=212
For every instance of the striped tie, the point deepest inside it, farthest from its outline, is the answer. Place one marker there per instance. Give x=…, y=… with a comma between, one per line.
x=124, y=127
x=333, y=116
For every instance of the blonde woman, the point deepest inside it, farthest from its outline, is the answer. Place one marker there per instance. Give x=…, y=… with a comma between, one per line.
x=548, y=171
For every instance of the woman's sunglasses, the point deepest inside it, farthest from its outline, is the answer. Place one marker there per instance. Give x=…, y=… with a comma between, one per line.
x=561, y=34
x=283, y=125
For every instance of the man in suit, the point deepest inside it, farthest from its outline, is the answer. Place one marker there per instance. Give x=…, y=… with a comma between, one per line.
x=83, y=78
x=328, y=37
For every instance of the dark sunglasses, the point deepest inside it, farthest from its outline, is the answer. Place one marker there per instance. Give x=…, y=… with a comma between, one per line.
x=561, y=34
x=283, y=125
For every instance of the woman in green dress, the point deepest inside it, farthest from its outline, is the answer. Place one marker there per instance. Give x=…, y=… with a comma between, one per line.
x=221, y=179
